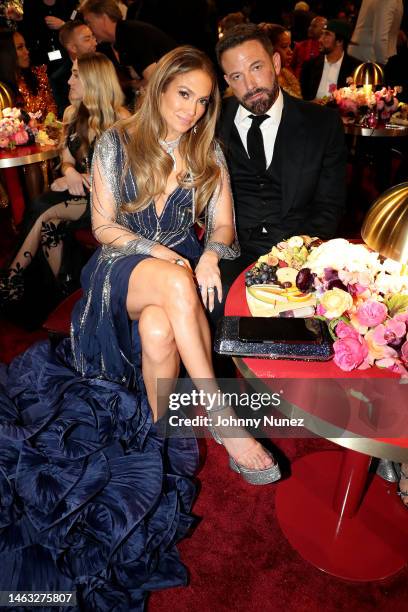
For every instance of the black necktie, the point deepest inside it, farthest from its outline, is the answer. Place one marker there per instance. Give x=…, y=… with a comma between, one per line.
x=255, y=144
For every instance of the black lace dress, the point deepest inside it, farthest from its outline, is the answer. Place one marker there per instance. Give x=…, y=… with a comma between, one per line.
x=42, y=291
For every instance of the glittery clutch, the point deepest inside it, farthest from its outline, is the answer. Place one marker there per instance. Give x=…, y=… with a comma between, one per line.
x=274, y=338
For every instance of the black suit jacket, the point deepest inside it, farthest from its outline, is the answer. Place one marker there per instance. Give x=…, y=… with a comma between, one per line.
x=141, y=44
x=312, y=71
x=313, y=166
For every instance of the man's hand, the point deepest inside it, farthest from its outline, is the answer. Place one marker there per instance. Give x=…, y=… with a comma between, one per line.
x=54, y=23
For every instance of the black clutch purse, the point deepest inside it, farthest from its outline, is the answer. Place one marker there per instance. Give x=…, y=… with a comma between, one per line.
x=305, y=339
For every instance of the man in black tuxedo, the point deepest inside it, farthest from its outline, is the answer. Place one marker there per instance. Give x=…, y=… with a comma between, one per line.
x=333, y=66
x=286, y=157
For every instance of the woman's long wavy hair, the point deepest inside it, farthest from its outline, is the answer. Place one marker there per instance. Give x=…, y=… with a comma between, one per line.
x=143, y=131
x=101, y=103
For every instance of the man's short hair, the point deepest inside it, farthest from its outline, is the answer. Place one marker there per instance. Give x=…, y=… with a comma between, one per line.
x=240, y=34
x=102, y=7
x=341, y=29
x=67, y=30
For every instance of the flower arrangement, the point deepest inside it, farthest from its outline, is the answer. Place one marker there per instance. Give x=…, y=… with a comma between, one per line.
x=20, y=128
x=362, y=296
x=363, y=105
x=364, y=299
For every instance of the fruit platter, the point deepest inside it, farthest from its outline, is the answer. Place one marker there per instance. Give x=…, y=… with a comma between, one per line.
x=278, y=283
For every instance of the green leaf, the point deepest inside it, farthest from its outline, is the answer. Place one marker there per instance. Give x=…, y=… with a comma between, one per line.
x=396, y=304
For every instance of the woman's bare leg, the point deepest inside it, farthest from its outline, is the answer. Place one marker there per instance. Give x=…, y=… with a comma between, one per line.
x=172, y=288
x=160, y=357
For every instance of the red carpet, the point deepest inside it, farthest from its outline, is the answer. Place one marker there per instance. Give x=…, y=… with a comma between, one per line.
x=238, y=558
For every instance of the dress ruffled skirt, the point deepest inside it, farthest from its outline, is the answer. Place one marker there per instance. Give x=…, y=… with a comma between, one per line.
x=93, y=499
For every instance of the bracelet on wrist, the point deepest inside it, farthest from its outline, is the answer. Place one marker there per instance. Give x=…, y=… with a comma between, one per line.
x=219, y=248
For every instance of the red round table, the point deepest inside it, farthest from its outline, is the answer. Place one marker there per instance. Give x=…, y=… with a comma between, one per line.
x=10, y=159
x=337, y=515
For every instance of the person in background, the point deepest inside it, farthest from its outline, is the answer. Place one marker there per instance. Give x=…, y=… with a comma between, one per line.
x=376, y=33
x=282, y=44
x=395, y=72
x=28, y=84
x=229, y=21
x=31, y=92
x=302, y=6
x=77, y=39
x=97, y=103
x=11, y=11
x=40, y=24
x=135, y=43
x=309, y=48
x=298, y=22
x=333, y=66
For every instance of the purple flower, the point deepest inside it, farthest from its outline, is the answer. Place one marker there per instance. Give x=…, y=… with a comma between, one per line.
x=389, y=333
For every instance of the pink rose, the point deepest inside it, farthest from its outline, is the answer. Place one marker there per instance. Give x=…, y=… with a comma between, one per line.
x=349, y=353
x=343, y=330
x=4, y=143
x=371, y=313
x=21, y=137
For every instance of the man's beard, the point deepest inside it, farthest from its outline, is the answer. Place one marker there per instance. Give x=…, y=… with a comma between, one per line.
x=261, y=106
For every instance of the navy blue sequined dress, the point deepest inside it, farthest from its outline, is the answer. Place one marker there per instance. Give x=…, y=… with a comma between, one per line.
x=92, y=498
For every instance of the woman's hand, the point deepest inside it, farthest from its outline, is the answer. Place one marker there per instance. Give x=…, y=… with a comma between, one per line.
x=209, y=279
x=75, y=182
x=86, y=180
x=60, y=184
x=162, y=252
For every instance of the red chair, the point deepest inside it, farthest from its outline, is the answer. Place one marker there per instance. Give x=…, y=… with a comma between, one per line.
x=59, y=322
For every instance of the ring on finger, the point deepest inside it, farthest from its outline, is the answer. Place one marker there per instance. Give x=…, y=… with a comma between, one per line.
x=179, y=262
x=210, y=290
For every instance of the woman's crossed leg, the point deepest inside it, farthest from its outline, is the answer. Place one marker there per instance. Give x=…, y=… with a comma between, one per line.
x=172, y=324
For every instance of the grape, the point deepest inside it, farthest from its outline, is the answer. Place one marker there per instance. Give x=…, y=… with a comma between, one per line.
x=304, y=280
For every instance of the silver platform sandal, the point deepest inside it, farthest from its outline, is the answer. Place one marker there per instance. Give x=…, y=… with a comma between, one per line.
x=251, y=476
x=403, y=494
x=388, y=470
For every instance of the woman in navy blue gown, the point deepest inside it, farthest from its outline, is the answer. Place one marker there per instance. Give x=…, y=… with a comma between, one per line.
x=93, y=497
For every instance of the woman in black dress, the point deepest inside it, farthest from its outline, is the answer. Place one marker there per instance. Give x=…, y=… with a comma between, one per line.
x=97, y=104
